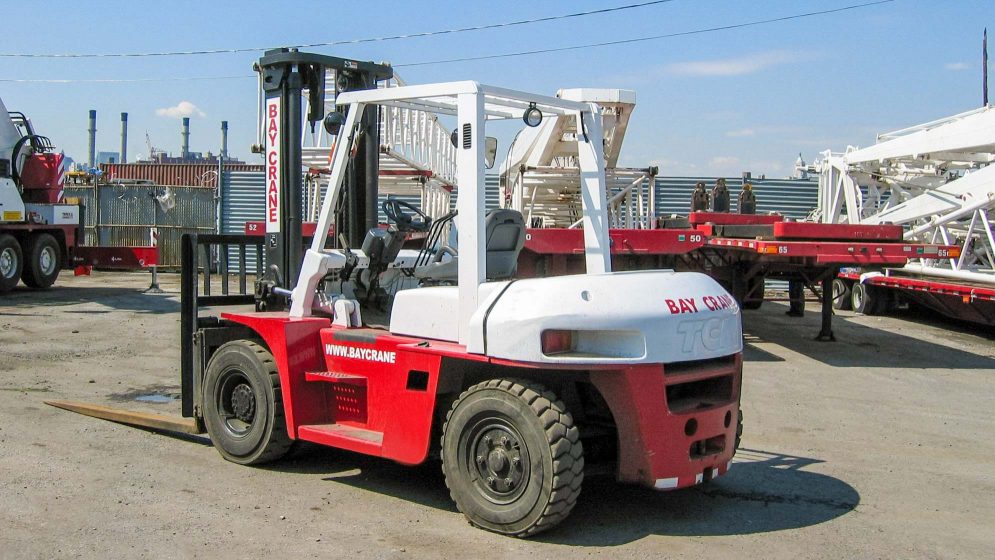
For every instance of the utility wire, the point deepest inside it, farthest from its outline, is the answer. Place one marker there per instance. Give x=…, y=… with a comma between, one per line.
x=511, y=54
x=343, y=42
x=641, y=39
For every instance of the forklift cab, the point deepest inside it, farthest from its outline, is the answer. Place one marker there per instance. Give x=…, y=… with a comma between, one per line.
x=488, y=243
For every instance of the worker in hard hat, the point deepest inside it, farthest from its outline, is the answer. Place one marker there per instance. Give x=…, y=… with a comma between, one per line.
x=720, y=197
x=699, y=198
x=747, y=200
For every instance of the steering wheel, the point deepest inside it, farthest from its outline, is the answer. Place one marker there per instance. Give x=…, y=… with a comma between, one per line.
x=394, y=210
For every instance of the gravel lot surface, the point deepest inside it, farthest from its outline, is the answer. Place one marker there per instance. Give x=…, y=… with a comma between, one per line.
x=877, y=446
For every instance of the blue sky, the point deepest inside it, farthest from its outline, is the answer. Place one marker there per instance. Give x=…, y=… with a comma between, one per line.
x=711, y=104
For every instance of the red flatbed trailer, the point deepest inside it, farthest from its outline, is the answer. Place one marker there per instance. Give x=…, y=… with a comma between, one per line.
x=953, y=298
x=741, y=251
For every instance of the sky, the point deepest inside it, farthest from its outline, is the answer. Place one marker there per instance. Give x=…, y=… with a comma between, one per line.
x=709, y=104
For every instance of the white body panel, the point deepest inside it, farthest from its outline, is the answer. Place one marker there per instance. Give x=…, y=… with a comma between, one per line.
x=54, y=214
x=9, y=135
x=11, y=205
x=625, y=315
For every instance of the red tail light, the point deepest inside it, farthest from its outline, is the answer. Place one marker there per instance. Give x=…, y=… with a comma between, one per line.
x=557, y=342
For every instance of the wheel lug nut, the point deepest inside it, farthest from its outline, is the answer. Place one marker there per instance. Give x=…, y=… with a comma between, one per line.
x=480, y=459
x=509, y=482
x=487, y=440
x=516, y=461
x=490, y=481
x=504, y=441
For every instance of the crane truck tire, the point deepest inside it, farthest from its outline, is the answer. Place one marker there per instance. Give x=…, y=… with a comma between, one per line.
x=43, y=261
x=841, y=295
x=512, y=457
x=11, y=262
x=243, y=408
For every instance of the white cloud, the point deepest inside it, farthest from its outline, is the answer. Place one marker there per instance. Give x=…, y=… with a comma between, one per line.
x=182, y=109
x=723, y=161
x=736, y=66
x=956, y=66
x=743, y=132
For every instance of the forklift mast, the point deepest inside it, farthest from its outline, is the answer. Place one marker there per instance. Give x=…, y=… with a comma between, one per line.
x=285, y=74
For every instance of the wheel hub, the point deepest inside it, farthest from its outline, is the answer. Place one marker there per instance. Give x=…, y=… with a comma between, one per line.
x=243, y=402
x=499, y=465
x=47, y=261
x=7, y=263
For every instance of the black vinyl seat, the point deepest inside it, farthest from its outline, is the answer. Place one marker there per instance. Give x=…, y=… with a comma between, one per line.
x=504, y=230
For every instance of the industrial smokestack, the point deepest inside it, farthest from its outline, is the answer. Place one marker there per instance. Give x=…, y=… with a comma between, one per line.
x=185, y=150
x=224, y=140
x=124, y=137
x=92, y=160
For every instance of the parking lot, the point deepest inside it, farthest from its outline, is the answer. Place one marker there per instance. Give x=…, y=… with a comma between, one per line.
x=879, y=445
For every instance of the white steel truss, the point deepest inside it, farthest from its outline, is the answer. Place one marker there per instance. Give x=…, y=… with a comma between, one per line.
x=934, y=178
x=541, y=176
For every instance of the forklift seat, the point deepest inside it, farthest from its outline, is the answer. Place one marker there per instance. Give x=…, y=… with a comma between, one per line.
x=505, y=233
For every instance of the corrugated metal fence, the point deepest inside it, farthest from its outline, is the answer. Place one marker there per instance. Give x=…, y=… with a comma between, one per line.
x=126, y=214
x=243, y=200
x=794, y=198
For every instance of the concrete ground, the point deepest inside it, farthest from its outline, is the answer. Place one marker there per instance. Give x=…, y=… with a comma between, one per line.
x=877, y=446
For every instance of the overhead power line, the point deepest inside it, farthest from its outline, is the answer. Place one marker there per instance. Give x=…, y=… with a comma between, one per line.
x=507, y=55
x=345, y=41
x=641, y=39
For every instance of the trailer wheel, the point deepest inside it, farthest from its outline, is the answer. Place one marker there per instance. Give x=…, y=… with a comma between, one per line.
x=44, y=261
x=11, y=262
x=512, y=457
x=755, y=288
x=841, y=294
x=864, y=300
x=243, y=408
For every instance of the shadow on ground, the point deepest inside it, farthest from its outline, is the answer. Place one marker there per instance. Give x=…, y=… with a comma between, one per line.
x=763, y=492
x=857, y=344
x=125, y=299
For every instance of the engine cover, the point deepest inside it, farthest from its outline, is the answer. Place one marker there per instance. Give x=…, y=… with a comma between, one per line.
x=622, y=317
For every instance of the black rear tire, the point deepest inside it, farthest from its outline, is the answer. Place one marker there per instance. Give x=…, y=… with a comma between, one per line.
x=43, y=261
x=841, y=294
x=864, y=299
x=512, y=457
x=11, y=262
x=243, y=408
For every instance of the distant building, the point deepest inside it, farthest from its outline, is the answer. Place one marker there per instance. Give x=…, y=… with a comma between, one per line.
x=193, y=157
x=108, y=157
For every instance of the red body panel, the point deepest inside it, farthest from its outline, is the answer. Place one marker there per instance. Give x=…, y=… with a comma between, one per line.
x=372, y=392
x=126, y=258
x=653, y=443
x=838, y=252
x=812, y=230
x=42, y=179
x=623, y=241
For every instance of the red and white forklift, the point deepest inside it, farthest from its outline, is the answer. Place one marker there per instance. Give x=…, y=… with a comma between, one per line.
x=514, y=383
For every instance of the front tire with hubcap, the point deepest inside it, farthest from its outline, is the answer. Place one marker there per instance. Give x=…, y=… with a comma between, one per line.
x=11, y=262
x=243, y=408
x=512, y=457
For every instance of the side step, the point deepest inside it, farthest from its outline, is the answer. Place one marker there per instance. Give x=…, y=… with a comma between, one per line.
x=352, y=438
x=335, y=377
